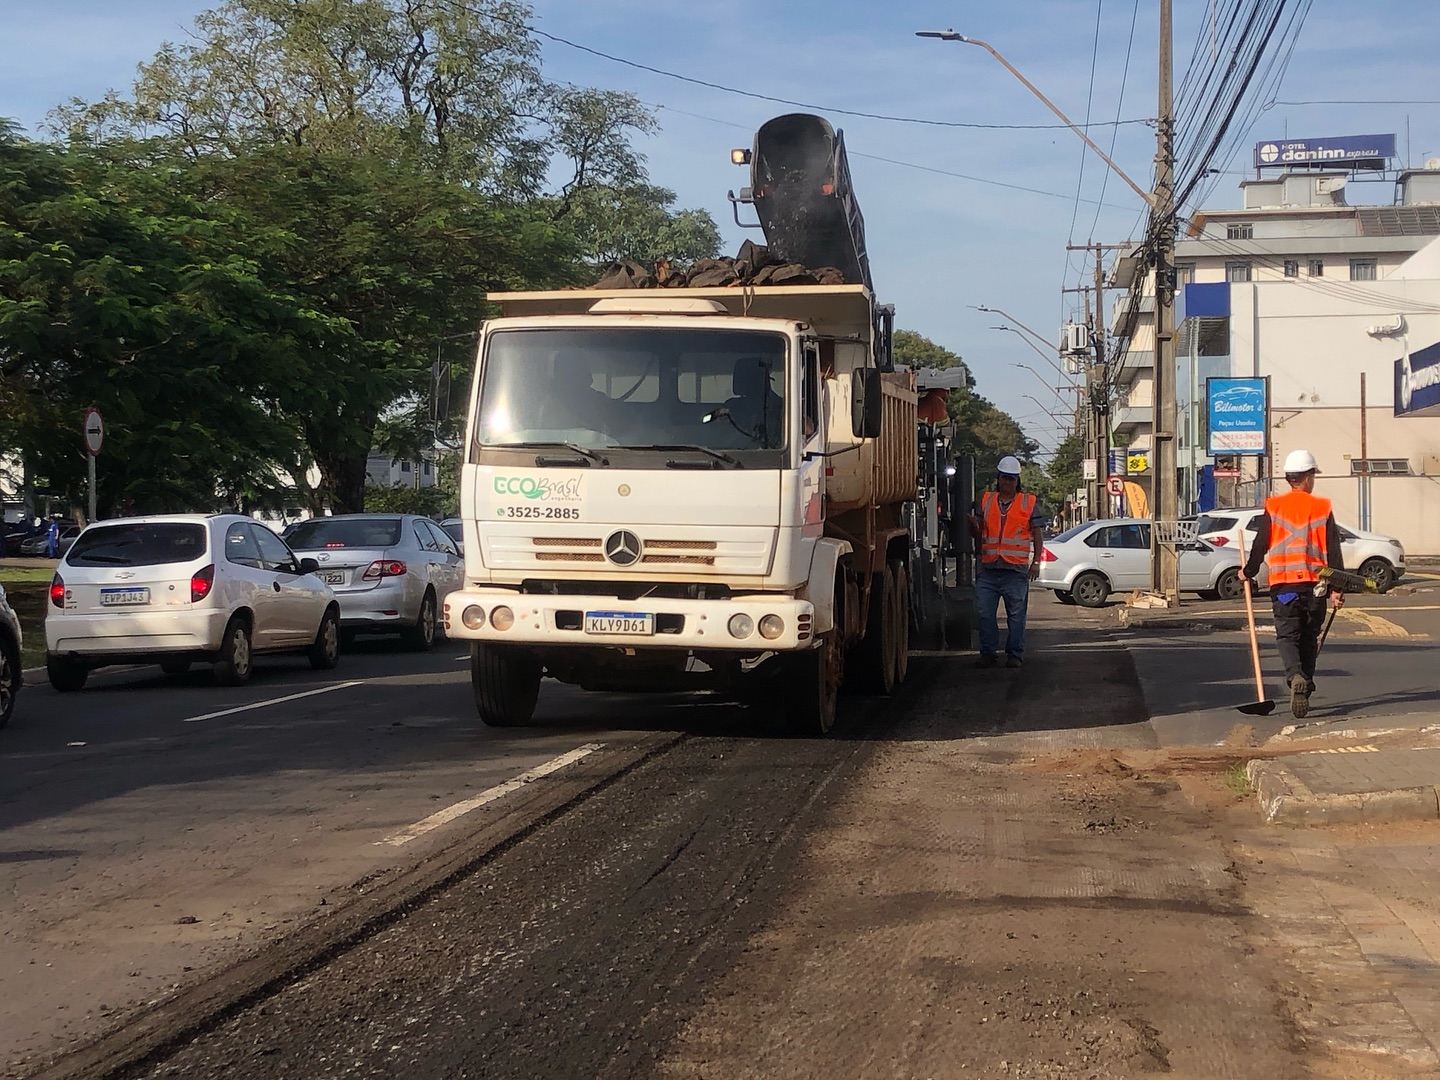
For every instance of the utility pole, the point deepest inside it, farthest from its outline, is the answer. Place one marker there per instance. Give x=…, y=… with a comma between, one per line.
x=1164, y=507
x=1099, y=383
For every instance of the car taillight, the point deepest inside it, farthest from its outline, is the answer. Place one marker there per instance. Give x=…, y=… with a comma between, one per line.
x=201, y=583
x=1220, y=541
x=1046, y=555
x=57, y=591
x=383, y=568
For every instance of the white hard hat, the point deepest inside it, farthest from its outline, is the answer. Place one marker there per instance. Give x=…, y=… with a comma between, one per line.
x=1009, y=466
x=1300, y=461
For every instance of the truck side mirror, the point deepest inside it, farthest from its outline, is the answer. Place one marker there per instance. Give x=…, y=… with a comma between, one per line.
x=867, y=404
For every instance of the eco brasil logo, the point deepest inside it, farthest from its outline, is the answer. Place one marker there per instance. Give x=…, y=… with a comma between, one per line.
x=539, y=488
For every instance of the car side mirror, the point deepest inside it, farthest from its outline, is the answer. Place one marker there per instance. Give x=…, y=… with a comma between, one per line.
x=867, y=404
x=309, y=566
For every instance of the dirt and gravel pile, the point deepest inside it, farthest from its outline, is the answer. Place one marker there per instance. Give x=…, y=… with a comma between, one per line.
x=754, y=265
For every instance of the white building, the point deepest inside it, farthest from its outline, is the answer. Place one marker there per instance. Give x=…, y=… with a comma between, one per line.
x=1301, y=289
x=382, y=470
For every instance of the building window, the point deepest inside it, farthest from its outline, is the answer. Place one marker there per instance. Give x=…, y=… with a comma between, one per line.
x=1240, y=232
x=1237, y=271
x=1292, y=268
x=1362, y=269
x=1184, y=274
x=1316, y=268
x=404, y=466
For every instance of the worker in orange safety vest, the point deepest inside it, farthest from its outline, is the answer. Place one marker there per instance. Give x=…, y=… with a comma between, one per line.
x=1010, y=525
x=1296, y=538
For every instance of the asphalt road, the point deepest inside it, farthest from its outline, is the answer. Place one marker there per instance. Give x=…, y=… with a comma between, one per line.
x=155, y=829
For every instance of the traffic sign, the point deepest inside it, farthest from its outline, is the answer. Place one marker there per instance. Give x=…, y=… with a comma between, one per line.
x=94, y=431
x=1115, y=485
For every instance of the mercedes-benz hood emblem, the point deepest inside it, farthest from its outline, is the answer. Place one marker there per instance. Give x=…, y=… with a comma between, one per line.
x=623, y=548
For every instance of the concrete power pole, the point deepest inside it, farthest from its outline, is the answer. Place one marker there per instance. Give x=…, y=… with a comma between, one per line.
x=1099, y=382
x=1164, y=507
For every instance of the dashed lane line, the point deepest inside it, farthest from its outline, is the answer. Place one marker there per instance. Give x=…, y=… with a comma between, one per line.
x=271, y=701
x=460, y=809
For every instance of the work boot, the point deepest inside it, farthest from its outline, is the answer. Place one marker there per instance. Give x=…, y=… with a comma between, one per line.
x=986, y=660
x=1299, y=696
x=1011, y=660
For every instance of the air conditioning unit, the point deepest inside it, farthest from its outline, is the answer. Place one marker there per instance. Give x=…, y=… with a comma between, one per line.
x=1074, y=339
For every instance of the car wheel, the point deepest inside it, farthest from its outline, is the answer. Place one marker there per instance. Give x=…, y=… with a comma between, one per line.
x=324, y=654
x=1090, y=589
x=178, y=666
x=506, y=684
x=236, y=660
x=421, y=636
x=1380, y=572
x=1064, y=597
x=1230, y=585
x=66, y=676
x=10, y=679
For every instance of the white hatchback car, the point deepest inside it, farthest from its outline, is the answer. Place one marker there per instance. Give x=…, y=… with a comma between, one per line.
x=1373, y=555
x=218, y=588
x=1085, y=564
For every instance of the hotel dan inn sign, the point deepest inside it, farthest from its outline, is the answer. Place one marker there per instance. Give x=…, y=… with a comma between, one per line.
x=1417, y=383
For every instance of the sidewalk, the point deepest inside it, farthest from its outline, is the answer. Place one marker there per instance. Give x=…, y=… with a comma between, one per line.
x=1384, y=769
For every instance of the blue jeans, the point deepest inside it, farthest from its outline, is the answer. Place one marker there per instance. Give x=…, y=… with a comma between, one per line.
x=992, y=586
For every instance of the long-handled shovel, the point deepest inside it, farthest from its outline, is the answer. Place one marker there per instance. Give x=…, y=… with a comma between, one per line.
x=1325, y=631
x=1263, y=706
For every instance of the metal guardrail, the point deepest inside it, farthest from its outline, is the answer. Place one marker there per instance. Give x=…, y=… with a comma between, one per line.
x=1175, y=532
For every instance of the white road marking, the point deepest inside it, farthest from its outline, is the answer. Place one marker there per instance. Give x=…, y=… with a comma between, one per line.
x=1344, y=750
x=460, y=809
x=272, y=701
x=1376, y=625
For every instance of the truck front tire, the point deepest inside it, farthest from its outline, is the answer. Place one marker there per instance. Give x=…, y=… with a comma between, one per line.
x=506, y=684
x=811, y=687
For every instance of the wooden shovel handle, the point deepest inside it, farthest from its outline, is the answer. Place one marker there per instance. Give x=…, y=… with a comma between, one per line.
x=1250, y=621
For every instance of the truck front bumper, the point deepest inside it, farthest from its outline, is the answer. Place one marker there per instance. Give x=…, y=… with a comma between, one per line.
x=678, y=624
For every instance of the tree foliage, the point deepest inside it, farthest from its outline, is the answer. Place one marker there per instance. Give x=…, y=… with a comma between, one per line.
x=250, y=259
x=981, y=428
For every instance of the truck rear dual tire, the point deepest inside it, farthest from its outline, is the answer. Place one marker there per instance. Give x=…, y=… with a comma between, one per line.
x=506, y=684
x=882, y=658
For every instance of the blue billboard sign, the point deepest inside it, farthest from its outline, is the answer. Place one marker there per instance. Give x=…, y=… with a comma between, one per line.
x=1235, y=410
x=1417, y=383
x=1354, y=151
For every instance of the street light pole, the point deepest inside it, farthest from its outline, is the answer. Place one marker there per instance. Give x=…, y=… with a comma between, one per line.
x=1052, y=389
x=1038, y=352
x=951, y=35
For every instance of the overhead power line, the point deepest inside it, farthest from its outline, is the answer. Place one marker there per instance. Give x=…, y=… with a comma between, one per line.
x=755, y=95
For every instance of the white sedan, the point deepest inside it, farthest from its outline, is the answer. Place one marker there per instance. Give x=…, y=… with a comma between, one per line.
x=218, y=588
x=1373, y=555
x=1085, y=564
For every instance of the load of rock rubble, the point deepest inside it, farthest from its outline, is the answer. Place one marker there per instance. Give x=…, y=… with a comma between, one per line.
x=754, y=265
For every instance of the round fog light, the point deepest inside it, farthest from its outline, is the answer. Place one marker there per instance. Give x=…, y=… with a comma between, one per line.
x=741, y=625
x=502, y=618
x=771, y=627
x=473, y=617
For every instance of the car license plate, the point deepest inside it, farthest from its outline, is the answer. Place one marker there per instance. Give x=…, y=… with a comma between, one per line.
x=333, y=577
x=123, y=597
x=619, y=622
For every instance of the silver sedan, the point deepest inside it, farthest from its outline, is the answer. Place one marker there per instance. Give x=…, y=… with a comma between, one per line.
x=390, y=572
x=1085, y=564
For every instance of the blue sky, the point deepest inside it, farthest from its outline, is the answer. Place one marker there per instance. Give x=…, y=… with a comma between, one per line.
x=939, y=243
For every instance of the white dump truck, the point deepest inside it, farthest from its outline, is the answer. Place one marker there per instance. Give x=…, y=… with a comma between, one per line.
x=699, y=487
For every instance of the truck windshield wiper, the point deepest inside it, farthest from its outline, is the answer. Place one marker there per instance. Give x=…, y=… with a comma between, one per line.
x=584, y=452
x=718, y=455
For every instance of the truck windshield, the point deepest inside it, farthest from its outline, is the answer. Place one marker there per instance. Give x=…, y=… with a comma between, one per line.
x=610, y=389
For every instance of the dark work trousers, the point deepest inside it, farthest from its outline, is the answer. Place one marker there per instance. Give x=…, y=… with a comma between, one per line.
x=1297, y=629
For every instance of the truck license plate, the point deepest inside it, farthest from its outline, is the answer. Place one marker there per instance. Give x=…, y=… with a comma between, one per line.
x=122, y=597
x=618, y=622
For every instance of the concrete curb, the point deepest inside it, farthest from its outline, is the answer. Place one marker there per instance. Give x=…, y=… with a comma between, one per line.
x=1286, y=799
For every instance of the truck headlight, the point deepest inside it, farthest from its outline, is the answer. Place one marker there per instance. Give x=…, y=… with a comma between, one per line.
x=473, y=617
x=502, y=618
x=741, y=625
x=771, y=627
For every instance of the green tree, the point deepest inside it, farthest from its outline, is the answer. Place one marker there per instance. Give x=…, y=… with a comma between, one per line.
x=981, y=428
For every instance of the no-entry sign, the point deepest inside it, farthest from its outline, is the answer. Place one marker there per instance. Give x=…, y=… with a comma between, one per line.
x=1115, y=485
